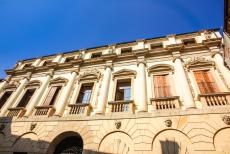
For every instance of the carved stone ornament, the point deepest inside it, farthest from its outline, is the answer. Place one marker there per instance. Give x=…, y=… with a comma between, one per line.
x=118, y=124
x=168, y=123
x=32, y=126
x=226, y=120
x=2, y=127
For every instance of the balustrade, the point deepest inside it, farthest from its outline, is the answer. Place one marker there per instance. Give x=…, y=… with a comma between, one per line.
x=165, y=103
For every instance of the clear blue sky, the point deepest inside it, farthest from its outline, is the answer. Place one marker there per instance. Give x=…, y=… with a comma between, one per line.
x=32, y=28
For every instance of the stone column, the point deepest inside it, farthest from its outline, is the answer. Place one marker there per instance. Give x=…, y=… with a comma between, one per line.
x=142, y=89
x=65, y=95
x=2, y=85
x=14, y=96
x=183, y=83
x=37, y=96
x=224, y=70
x=103, y=97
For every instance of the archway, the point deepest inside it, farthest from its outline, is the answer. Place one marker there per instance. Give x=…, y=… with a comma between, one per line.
x=66, y=143
x=222, y=140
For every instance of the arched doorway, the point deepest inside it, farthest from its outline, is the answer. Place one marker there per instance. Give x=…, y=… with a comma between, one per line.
x=66, y=143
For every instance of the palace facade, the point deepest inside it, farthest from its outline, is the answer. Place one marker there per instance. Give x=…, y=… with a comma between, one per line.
x=161, y=95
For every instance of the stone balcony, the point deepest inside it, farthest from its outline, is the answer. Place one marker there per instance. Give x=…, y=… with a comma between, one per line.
x=16, y=112
x=80, y=109
x=44, y=110
x=121, y=106
x=165, y=103
x=215, y=99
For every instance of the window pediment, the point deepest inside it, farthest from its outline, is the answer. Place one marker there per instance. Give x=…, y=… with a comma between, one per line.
x=35, y=83
x=160, y=68
x=124, y=72
x=199, y=64
x=58, y=80
x=90, y=76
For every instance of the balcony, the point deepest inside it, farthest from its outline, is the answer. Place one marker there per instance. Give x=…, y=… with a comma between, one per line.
x=215, y=99
x=165, y=103
x=121, y=106
x=80, y=109
x=16, y=112
x=44, y=110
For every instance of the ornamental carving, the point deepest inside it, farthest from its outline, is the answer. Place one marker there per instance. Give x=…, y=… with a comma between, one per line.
x=168, y=123
x=226, y=120
x=118, y=124
x=32, y=126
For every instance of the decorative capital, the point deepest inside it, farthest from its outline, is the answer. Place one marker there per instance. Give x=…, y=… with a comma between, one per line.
x=168, y=123
x=118, y=124
x=226, y=120
x=141, y=60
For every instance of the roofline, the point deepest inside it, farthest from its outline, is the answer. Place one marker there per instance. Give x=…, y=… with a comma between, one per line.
x=77, y=50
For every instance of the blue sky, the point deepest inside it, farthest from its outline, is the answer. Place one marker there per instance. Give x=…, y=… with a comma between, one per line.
x=33, y=28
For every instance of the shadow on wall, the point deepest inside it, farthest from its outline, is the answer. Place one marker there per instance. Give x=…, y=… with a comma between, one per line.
x=170, y=147
x=29, y=143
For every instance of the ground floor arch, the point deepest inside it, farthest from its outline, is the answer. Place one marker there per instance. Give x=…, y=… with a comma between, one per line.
x=66, y=143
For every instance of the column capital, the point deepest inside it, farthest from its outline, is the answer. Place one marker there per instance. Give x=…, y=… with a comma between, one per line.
x=109, y=64
x=177, y=57
x=141, y=60
x=213, y=53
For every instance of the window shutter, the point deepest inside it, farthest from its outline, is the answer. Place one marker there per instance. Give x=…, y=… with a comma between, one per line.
x=162, y=86
x=26, y=98
x=50, y=96
x=205, y=82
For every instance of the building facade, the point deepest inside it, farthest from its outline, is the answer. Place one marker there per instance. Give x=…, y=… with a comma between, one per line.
x=161, y=95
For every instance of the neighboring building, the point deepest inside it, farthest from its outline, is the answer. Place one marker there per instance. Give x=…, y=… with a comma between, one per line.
x=161, y=95
x=227, y=32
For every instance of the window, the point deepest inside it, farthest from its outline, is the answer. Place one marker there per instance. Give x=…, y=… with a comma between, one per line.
x=27, y=65
x=5, y=97
x=52, y=95
x=85, y=93
x=156, y=46
x=189, y=41
x=205, y=82
x=69, y=59
x=123, y=90
x=26, y=98
x=162, y=86
x=47, y=62
x=126, y=50
x=96, y=55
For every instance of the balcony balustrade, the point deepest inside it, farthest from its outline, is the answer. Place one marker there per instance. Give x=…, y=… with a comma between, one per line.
x=165, y=103
x=215, y=99
x=44, y=110
x=121, y=106
x=80, y=109
x=16, y=112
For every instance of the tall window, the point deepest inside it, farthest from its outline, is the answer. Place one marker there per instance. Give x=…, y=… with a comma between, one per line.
x=52, y=95
x=85, y=93
x=123, y=90
x=26, y=98
x=5, y=97
x=205, y=82
x=162, y=86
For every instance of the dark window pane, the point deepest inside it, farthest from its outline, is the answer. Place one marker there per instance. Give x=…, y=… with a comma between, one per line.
x=96, y=55
x=5, y=97
x=26, y=98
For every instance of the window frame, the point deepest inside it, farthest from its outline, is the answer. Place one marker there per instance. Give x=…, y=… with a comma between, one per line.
x=79, y=89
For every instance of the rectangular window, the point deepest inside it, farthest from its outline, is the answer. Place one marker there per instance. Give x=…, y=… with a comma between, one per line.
x=27, y=65
x=69, y=59
x=47, y=62
x=189, y=41
x=5, y=97
x=85, y=93
x=96, y=55
x=205, y=82
x=156, y=46
x=26, y=98
x=162, y=86
x=126, y=50
x=52, y=95
x=123, y=90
